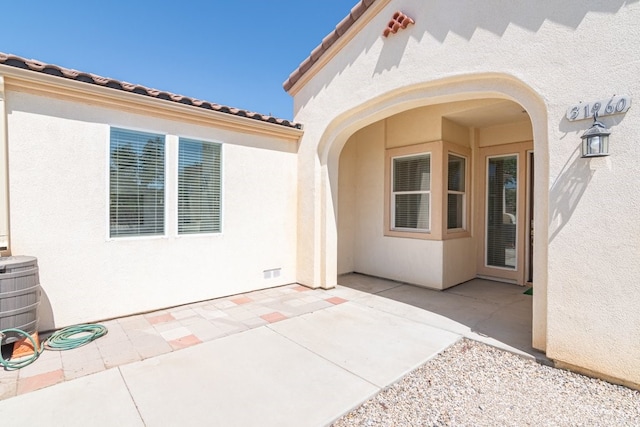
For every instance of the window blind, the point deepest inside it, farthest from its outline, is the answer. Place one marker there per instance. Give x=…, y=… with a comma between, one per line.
x=502, y=192
x=137, y=176
x=199, y=187
x=412, y=192
x=456, y=192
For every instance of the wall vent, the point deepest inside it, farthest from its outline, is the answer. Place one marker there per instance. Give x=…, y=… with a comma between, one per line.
x=270, y=274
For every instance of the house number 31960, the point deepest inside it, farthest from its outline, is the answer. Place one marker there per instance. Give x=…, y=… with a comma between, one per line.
x=605, y=107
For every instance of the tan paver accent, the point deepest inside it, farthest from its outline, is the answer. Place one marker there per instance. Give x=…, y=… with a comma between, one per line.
x=274, y=317
x=241, y=300
x=118, y=354
x=40, y=381
x=160, y=319
x=48, y=361
x=336, y=300
x=8, y=383
x=138, y=337
x=184, y=342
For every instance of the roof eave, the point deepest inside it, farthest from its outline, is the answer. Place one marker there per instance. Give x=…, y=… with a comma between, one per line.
x=44, y=84
x=351, y=25
x=114, y=84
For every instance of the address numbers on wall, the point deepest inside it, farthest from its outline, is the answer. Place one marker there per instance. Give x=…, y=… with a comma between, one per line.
x=606, y=107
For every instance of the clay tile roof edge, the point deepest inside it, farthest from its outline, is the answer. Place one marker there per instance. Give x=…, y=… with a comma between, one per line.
x=356, y=12
x=67, y=73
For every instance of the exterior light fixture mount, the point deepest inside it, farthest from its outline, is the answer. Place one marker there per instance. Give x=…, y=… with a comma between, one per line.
x=595, y=141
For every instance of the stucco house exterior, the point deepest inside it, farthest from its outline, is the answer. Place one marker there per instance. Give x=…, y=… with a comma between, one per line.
x=441, y=142
x=134, y=199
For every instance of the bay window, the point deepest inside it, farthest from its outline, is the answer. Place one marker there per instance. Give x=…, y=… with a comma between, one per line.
x=426, y=188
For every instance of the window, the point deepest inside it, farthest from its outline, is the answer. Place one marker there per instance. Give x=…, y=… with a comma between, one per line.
x=136, y=183
x=456, y=197
x=426, y=191
x=198, y=187
x=411, y=193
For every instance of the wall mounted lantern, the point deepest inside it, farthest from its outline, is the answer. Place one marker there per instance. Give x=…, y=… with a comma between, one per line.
x=595, y=141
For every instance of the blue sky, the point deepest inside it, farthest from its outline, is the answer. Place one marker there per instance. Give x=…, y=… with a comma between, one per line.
x=231, y=52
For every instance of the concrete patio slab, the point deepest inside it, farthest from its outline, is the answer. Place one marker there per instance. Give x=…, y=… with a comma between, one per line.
x=369, y=284
x=494, y=313
x=257, y=377
x=375, y=345
x=443, y=303
x=96, y=400
x=345, y=345
x=515, y=338
x=489, y=290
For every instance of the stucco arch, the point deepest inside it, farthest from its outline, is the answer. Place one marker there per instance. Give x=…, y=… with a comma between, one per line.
x=458, y=88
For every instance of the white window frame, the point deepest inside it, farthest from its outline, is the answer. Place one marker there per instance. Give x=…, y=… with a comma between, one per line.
x=462, y=193
x=164, y=210
x=394, y=193
x=180, y=234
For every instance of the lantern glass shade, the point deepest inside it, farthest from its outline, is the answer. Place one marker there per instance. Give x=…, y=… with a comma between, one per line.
x=595, y=141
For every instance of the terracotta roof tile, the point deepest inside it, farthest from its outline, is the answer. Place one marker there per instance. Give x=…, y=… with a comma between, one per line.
x=398, y=21
x=54, y=70
x=316, y=53
x=357, y=11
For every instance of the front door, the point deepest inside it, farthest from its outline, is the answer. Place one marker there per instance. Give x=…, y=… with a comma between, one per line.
x=503, y=214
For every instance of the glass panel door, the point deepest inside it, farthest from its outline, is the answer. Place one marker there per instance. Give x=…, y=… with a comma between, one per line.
x=502, y=212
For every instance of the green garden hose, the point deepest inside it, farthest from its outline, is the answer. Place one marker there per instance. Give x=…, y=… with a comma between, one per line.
x=64, y=339
x=22, y=362
x=74, y=337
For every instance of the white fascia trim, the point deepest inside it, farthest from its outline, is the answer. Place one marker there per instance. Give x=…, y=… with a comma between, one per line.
x=335, y=48
x=19, y=79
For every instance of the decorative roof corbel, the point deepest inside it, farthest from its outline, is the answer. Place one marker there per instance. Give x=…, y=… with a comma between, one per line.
x=398, y=22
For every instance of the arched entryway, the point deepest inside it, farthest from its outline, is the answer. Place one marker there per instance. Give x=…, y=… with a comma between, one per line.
x=413, y=185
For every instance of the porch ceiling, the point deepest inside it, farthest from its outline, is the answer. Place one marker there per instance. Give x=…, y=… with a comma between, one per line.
x=489, y=112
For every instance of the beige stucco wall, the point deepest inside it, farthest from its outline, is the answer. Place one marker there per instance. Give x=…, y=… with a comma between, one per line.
x=347, y=208
x=546, y=57
x=505, y=134
x=59, y=190
x=407, y=260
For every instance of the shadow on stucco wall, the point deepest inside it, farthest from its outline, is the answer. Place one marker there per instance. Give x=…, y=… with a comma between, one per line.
x=573, y=179
x=566, y=192
x=46, y=321
x=439, y=19
x=464, y=17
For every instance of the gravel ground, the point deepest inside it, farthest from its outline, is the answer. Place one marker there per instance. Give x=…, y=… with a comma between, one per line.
x=472, y=384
